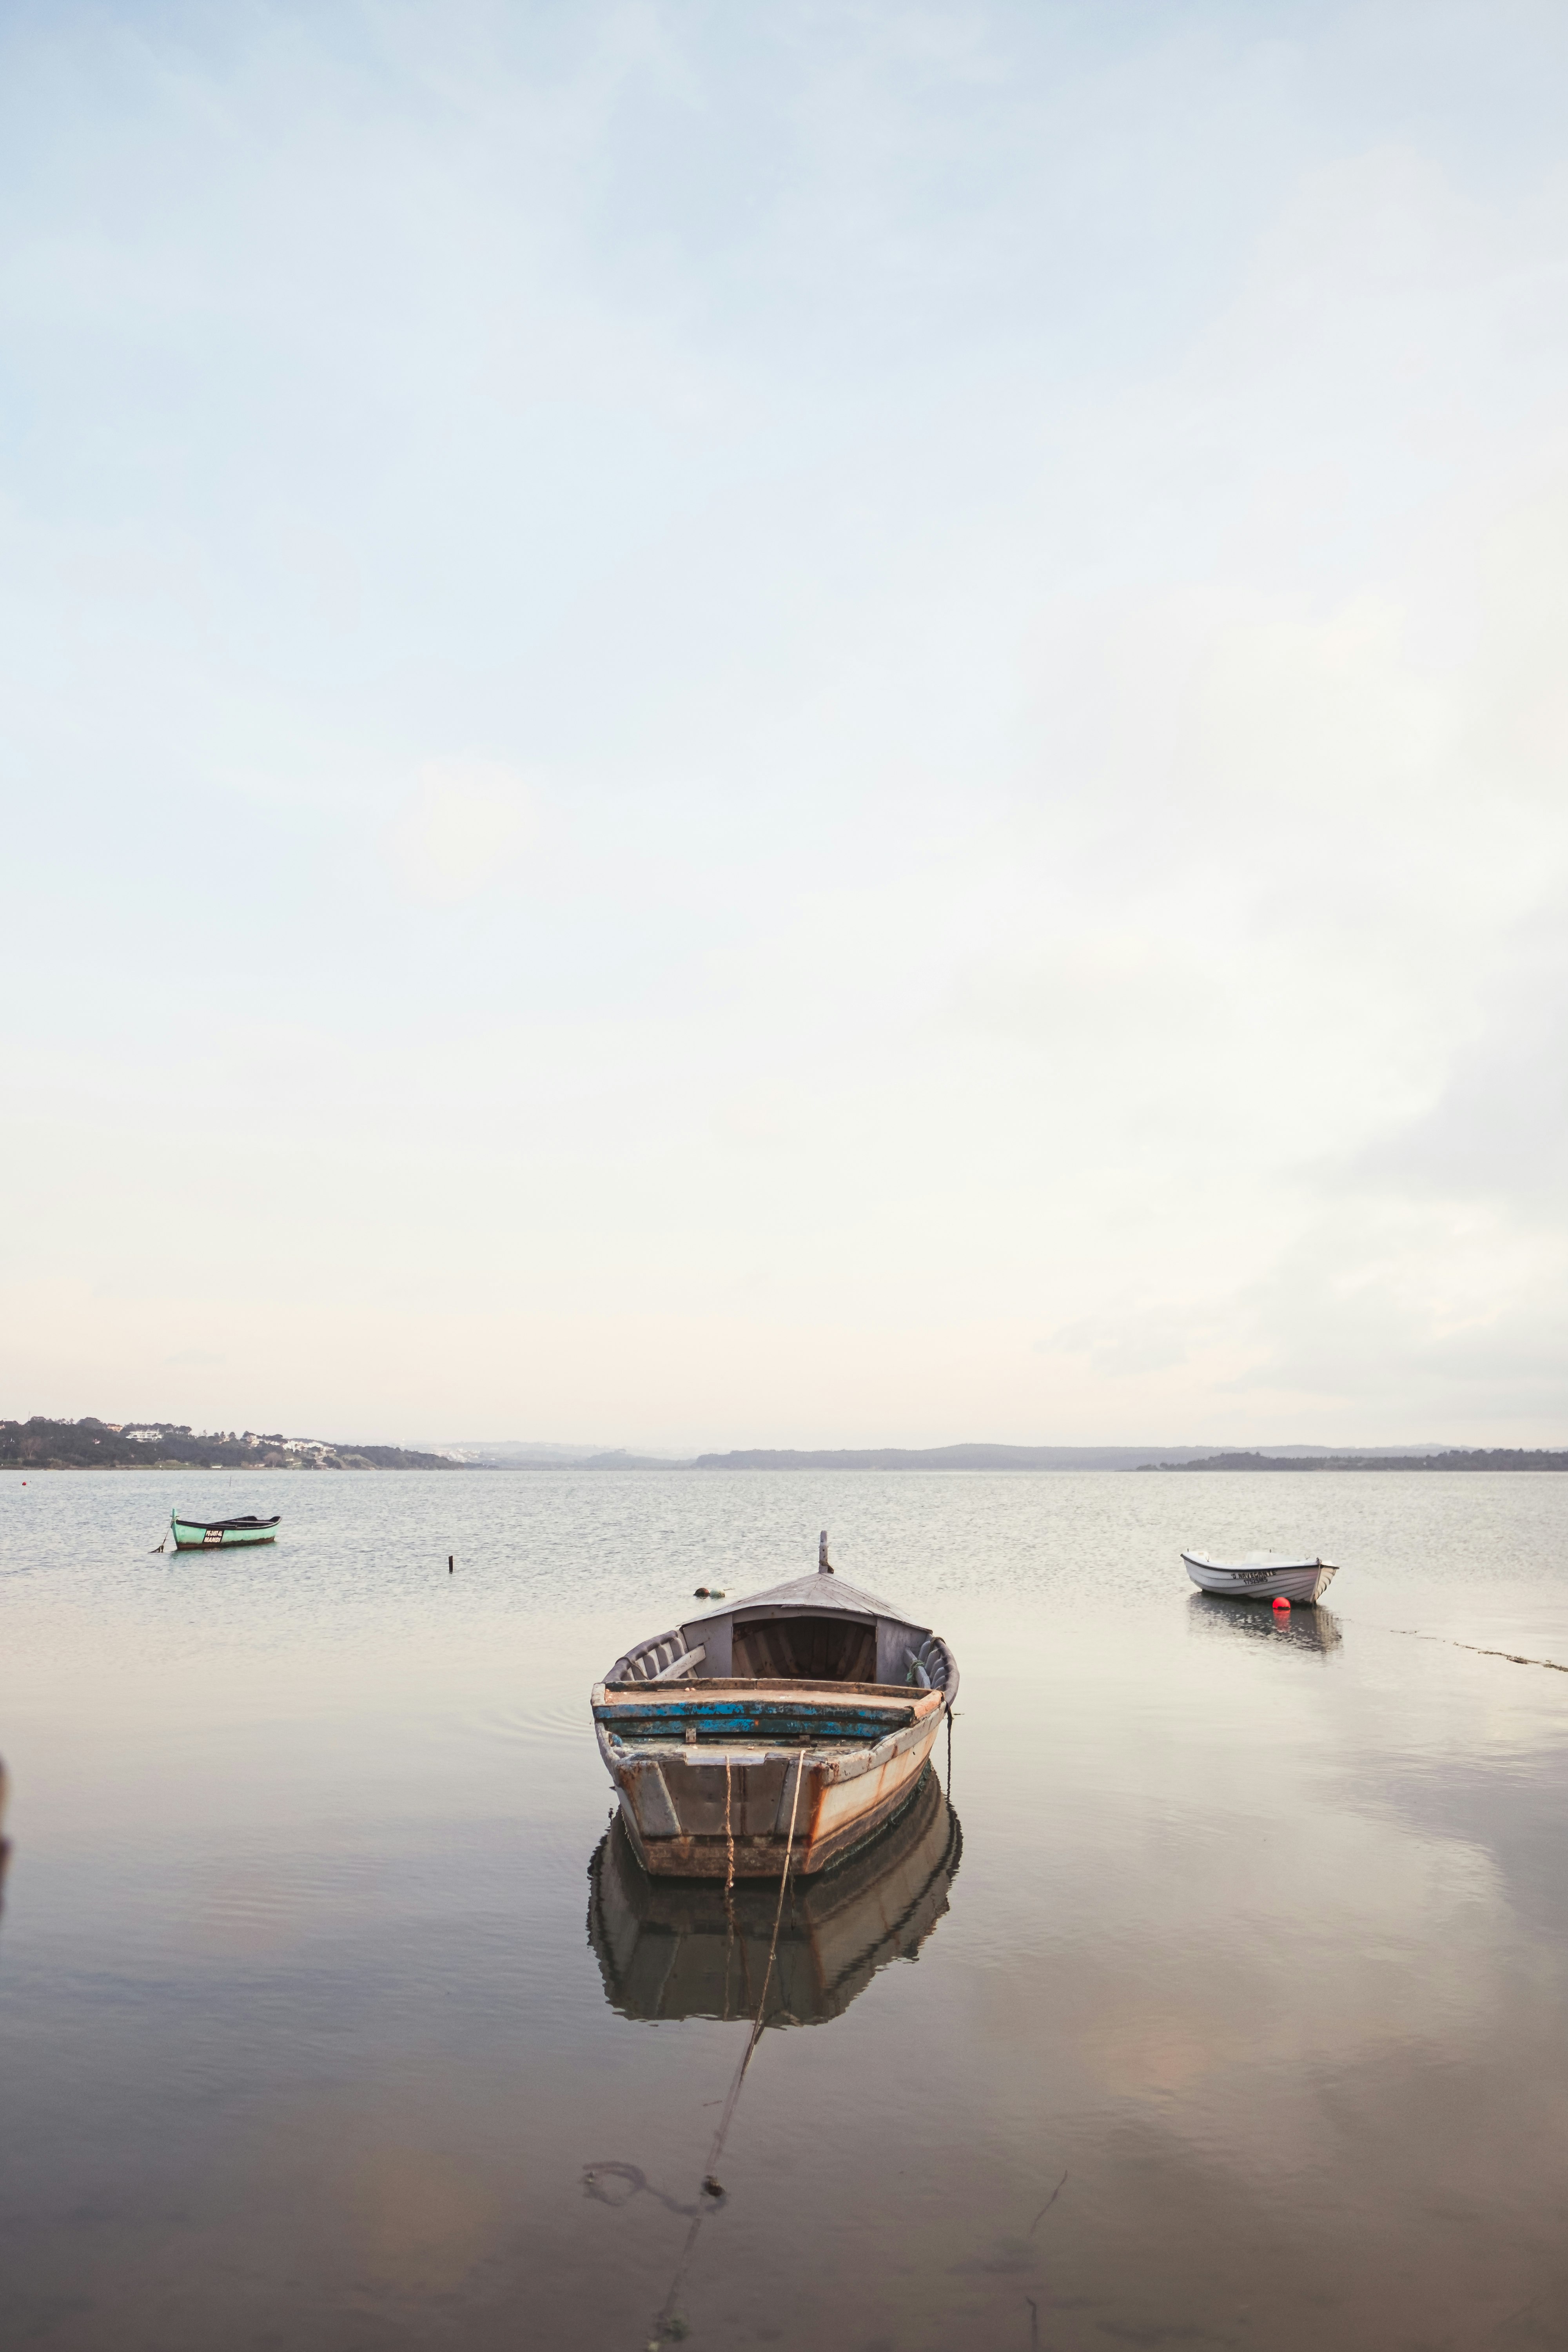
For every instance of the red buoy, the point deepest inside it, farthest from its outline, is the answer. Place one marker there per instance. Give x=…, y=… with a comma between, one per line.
x=1282, y=1604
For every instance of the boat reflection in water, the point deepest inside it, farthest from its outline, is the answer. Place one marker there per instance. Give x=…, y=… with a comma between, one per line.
x=670, y=1948
x=1304, y=1629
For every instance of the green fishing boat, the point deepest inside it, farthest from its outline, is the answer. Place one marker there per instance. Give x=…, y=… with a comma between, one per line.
x=211, y=1534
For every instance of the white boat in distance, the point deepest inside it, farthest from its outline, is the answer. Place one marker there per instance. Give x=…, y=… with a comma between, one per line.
x=1262, y=1576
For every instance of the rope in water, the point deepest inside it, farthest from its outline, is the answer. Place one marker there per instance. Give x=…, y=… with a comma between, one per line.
x=756, y=2033
x=711, y=2181
x=1449, y=1641
x=729, y=1890
x=728, y=1845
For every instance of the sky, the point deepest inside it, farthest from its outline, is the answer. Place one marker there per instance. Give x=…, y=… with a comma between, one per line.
x=730, y=725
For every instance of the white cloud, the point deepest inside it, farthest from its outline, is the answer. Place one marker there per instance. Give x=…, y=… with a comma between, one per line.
x=456, y=832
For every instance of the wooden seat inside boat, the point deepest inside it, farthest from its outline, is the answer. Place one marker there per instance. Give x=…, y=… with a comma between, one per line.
x=820, y=1649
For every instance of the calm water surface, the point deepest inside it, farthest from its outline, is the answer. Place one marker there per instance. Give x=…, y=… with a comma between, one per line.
x=1220, y=2000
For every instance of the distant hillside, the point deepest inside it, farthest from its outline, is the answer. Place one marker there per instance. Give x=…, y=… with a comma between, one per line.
x=93, y=1444
x=514, y=1453
x=946, y=1457
x=526, y=1453
x=1504, y=1458
x=518, y=1453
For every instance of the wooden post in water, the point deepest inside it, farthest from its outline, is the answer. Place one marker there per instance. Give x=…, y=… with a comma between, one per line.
x=449, y=1563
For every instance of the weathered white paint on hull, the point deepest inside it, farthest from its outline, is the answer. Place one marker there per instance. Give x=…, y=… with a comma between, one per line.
x=843, y=1802
x=676, y=1806
x=1260, y=1579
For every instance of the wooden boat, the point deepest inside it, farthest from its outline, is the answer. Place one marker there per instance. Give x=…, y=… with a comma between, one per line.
x=778, y=1732
x=210, y=1534
x=667, y=1949
x=1261, y=1575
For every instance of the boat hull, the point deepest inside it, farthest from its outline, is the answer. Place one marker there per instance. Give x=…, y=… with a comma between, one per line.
x=194, y=1535
x=1299, y=1581
x=774, y=1735
x=724, y=1805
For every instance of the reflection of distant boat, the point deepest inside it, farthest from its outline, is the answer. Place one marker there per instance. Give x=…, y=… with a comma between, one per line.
x=1261, y=1575
x=668, y=1949
x=1309, y=1629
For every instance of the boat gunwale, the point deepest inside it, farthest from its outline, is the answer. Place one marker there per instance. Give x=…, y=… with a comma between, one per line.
x=742, y=1751
x=891, y=1693
x=908, y=1710
x=859, y=1755
x=246, y=1526
x=1282, y=1564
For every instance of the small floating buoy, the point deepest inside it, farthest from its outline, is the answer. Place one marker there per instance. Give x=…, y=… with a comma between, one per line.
x=701, y=1593
x=1280, y=1602
x=711, y=2186
x=715, y=1594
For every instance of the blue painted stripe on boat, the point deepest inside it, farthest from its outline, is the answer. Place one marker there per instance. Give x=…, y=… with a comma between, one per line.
x=731, y=1722
x=770, y=1744
x=736, y=1704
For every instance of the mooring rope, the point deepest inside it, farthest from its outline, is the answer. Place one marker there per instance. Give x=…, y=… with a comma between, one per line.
x=755, y=2035
x=729, y=1890
x=712, y=2188
x=728, y=1843
x=1451, y=1642
x=1551, y=1665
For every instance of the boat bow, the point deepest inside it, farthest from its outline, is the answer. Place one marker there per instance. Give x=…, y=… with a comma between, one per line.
x=812, y=1704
